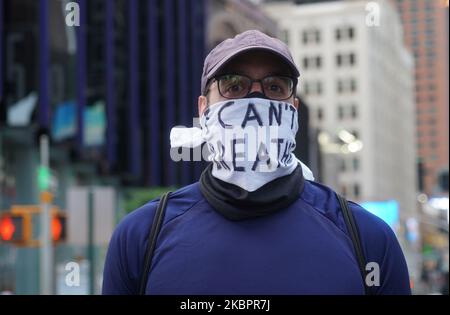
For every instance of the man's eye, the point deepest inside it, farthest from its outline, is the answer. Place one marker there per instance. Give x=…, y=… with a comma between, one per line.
x=235, y=88
x=275, y=88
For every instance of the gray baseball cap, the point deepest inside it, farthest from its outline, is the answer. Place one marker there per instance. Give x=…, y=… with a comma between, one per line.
x=249, y=40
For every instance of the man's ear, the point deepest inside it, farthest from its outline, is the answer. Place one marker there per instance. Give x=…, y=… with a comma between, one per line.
x=202, y=104
x=296, y=102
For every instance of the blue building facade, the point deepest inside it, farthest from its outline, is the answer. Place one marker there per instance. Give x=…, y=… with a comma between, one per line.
x=110, y=89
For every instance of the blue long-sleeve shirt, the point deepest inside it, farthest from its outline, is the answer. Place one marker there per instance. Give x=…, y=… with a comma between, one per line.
x=303, y=249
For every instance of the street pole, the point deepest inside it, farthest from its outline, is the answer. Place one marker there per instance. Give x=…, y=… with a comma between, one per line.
x=46, y=250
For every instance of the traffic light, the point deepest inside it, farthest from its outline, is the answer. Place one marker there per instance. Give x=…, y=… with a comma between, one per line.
x=43, y=178
x=15, y=228
x=59, y=227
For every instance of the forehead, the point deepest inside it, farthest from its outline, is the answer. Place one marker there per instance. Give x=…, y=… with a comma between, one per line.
x=257, y=64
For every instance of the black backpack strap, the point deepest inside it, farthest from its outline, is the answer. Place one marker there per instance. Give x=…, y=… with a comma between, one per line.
x=354, y=235
x=154, y=231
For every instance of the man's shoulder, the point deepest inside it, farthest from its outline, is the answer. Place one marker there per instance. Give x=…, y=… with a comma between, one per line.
x=137, y=223
x=324, y=200
x=375, y=233
x=123, y=266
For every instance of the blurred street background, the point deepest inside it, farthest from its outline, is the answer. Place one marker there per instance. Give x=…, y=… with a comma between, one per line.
x=90, y=89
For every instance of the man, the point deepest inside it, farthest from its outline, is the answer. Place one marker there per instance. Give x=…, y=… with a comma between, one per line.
x=253, y=224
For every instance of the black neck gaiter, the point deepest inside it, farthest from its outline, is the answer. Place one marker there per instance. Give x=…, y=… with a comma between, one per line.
x=236, y=204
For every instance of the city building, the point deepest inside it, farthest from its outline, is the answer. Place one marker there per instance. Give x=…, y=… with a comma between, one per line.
x=227, y=18
x=425, y=25
x=352, y=68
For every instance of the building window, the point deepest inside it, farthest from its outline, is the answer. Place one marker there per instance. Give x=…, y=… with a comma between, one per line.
x=338, y=60
x=312, y=62
x=348, y=85
x=304, y=37
x=306, y=88
x=313, y=88
x=356, y=190
x=319, y=114
x=413, y=8
x=317, y=36
x=311, y=36
x=343, y=190
x=345, y=59
x=340, y=112
x=418, y=78
x=344, y=33
x=338, y=34
x=355, y=164
x=432, y=121
x=351, y=32
x=318, y=62
x=340, y=86
x=429, y=7
x=353, y=85
x=319, y=88
x=305, y=62
x=343, y=166
x=285, y=36
x=352, y=59
x=354, y=112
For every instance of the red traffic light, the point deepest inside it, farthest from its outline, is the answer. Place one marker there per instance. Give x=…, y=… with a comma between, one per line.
x=7, y=228
x=12, y=228
x=16, y=226
x=58, y=227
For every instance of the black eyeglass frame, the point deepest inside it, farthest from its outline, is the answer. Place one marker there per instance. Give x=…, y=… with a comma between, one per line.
x=217, y=78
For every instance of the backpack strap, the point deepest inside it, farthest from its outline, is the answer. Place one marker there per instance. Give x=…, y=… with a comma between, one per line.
x=354, y=235
x=154, y=231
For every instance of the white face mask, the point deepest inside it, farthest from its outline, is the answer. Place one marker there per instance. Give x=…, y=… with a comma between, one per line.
x=250, y=179
x=251, y=140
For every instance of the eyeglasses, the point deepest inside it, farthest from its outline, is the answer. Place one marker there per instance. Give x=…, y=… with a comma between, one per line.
x=274, y=87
